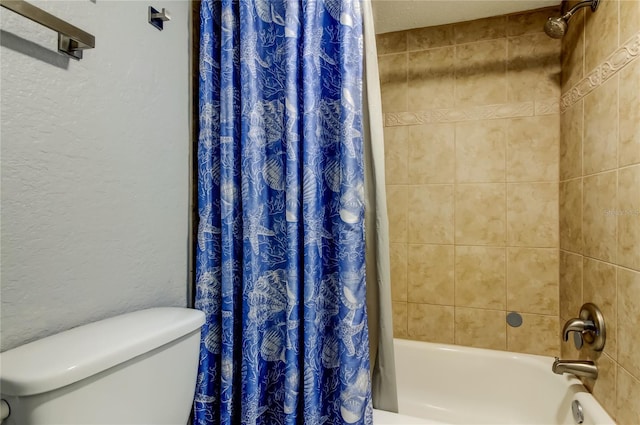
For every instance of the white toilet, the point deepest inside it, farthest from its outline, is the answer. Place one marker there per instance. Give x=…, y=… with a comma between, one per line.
x=137, y=368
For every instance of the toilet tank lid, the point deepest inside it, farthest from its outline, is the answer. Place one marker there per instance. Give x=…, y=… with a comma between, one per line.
x=68, y=357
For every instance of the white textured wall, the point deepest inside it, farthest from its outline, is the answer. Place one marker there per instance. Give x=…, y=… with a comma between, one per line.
x=95, y=167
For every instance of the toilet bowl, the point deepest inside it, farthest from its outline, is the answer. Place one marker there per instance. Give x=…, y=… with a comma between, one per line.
x=137, y=368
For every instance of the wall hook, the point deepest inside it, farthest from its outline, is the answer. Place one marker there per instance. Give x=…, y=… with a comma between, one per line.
x=157, y=18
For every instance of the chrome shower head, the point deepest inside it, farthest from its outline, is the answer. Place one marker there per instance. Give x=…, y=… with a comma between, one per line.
x=557, y=27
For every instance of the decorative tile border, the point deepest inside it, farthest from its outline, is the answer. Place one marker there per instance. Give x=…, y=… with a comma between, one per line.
x=547, y=107
x=475, y=113
x=614, y=63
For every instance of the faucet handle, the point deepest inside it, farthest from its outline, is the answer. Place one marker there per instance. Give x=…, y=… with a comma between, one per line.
x=578, y=325
x=589, y=327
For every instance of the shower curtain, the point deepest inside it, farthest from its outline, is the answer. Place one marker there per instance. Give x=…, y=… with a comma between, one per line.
x=384, y=389
x=280, y=270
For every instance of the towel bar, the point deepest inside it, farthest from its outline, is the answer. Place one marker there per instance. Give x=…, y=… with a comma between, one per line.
x=71, y=40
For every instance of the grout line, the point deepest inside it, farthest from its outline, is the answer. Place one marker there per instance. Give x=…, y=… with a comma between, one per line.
x=523, y=182
x=629, y=269
x=618, y=115
x=572, y=178
x=624, y=167
x=599, y=260
x=455, y=195
x=507, y=74
x=582, y=112
x=399, y=52
x=406, y=81
x=482, y=246
x=455, y=77
x=617, y=231
x=599, y=173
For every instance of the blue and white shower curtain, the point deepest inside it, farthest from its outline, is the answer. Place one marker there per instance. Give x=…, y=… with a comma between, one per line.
x=280, y=247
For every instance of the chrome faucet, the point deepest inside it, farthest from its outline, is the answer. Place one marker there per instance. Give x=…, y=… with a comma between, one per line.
x=584, y=368
x=590, y=328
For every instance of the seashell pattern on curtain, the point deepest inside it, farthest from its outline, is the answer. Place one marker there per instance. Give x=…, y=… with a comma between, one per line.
x=280, y=246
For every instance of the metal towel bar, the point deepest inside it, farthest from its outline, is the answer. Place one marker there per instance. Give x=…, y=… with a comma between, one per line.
x=71, y=40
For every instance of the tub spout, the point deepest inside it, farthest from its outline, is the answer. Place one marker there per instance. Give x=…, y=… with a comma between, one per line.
x=584, y=368
x=577, y=325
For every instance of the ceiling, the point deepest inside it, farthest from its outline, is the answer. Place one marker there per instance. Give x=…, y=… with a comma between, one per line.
x=397, y=15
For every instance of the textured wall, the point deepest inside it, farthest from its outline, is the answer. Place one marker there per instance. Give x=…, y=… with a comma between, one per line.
x=472, y=138
x=95, y=178
x=600, y=193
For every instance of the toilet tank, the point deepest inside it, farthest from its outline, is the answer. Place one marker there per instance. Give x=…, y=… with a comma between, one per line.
x=137, y=368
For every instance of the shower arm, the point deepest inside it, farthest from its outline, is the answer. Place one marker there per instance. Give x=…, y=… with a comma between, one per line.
x=574, y=9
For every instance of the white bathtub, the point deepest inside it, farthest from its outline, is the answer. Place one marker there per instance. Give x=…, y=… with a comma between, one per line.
x=450, y=384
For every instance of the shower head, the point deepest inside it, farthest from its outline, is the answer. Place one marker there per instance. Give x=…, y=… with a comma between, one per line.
x=556, y=27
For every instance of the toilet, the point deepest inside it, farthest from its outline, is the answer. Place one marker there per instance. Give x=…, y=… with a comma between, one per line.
x=137, y=368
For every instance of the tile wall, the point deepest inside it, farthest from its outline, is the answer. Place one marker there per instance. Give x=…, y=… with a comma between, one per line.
x=600, y=193
x=472, y=131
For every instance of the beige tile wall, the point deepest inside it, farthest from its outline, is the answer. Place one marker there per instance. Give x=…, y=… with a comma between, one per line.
x=600, y=193
x=472, y=151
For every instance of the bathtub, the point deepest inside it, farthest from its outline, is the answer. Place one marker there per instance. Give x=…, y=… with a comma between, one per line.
x=450, y=384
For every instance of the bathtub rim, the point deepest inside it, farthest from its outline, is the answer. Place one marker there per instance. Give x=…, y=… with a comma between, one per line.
x=574, y=385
